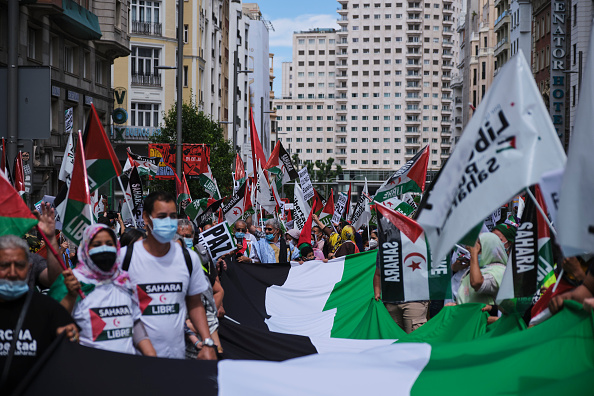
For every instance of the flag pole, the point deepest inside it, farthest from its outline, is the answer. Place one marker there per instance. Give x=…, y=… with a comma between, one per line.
x=56, y=255
x=127, y=202
x=542, y=212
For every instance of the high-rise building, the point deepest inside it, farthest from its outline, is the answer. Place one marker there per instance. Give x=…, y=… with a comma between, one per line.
x=374, y=92
x=512, y=30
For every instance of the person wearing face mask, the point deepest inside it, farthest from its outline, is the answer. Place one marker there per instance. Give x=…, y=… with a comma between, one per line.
x=372, y=241
x=272, y=248
x=170, y=281
x=507, y=234
x=36, y=318
x=110, y=297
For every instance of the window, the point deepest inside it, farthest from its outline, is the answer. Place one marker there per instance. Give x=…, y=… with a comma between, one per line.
x=144, y=114
x=146, y=18
x=70, y=63
x=185, y=76
x=301, y=41
x=144, y=60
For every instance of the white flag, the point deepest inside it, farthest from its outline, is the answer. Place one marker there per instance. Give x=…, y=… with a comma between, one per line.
x=301, y=208
x=507, y=145
x=264, y=196
x=575, y=219
x=550, y=187
x=67, y=162
x=362, y=210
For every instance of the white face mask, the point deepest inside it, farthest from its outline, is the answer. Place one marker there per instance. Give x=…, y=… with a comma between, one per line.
x=372, y=243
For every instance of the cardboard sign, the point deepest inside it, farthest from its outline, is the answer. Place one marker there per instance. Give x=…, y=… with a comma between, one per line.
x=305, y=181
x=218, y=240
x=339, y=209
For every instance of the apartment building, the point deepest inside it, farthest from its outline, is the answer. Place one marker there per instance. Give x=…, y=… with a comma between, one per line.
x=77, y=42
x=374, y=92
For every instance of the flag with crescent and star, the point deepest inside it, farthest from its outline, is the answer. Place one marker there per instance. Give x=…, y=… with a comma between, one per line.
x=404, y=260
x=234, y=209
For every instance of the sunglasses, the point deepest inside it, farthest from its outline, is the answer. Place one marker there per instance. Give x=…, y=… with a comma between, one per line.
x=241, y=229
x=268, y=229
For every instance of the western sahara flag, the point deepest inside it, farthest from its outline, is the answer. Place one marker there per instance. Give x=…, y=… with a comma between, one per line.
x=234, y=209
x=531, y=256
x=209, y=183
x=362, y=213
x=410, y=178
x=407, y=272
x=101, y=161
x=575, y=219
x=146, y=165
x=77, y=214
x=507, y=146
x=67, y=161
x=15, y=216
x=280, y=164
x=521, y=360
x=182, y=192
x=316, y=299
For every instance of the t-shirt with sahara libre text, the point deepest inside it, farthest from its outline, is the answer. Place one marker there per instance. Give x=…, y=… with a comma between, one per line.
x=162, y=284
x=106, y=316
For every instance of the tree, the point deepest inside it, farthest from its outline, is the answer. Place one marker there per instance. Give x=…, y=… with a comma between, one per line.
x=197, y=127
x=324, y=172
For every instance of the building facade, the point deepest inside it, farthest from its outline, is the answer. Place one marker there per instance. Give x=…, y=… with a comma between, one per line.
x=78, y=44
x=381, y=84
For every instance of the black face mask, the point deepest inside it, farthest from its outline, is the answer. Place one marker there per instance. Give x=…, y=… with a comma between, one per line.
x=104, y=260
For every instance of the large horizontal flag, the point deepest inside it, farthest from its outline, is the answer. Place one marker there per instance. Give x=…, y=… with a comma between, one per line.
x=15, y=216
x=410, y=178
x=316, y=299
x=507, y=146
x=101, y=161
x=234, y=209
x=575, y=218
x=522, y=361
x=407, y=271
x=77, y=214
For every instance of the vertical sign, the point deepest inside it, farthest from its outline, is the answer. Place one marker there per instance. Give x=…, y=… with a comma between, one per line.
x=558, y=66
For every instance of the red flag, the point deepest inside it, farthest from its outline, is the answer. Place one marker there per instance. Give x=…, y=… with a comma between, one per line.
x=239, y=168
x=406, y=225
x=257, y=152
x=15, y=216
x=247, y=202
x=4, y=168
x=273, y=159
x=317, y=203
x=305, y=236
x=329, y=208
x=101, y=161
x=19, y=174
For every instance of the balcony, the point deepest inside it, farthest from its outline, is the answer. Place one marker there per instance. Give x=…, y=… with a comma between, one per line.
x=146, y=28
x=342, y=65
x=458, y=121
x=447, y=43
x=146, y=80
x=502, y=20
x=343, y=21
x=342, y=44
x=447, y=31
x=502, y=45
x=448, y=10
x=342, y=76
x=448, y=21
x=342, y=10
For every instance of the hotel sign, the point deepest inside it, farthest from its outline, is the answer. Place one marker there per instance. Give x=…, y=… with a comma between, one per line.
x=558, y=66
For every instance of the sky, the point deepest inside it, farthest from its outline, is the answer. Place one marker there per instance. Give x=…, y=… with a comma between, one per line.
x=290, y=16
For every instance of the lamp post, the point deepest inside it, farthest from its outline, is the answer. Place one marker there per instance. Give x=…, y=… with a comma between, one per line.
x=236, y=72
x=262, y=112
x=180, y=68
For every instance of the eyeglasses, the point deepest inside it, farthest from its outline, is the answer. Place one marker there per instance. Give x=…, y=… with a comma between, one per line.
x=241, y=230
x=268, y=229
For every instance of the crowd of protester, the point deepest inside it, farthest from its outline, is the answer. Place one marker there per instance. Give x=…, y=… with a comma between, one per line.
x=120, y=270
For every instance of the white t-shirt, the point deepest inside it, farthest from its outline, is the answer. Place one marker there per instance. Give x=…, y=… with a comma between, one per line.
x=162, y=284
x=106, y=316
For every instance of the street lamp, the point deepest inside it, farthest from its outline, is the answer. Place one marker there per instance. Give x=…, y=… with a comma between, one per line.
x=236, y=72
x=262, y=112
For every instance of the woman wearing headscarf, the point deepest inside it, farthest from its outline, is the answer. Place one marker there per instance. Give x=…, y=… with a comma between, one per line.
x=109, y=315
x=482, y=280
x=347, y=242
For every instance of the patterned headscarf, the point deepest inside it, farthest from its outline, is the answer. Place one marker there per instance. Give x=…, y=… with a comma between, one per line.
x=87, y=267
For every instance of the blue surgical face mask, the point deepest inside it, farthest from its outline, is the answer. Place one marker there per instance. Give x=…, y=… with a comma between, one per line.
x=270, y=237
x=11, y=290
x=240, y=235
x=189, y=242
x=164, y=229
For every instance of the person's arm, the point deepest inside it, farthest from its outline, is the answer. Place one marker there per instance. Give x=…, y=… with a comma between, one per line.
x=197, y=315
x=141, y=340
x=377, y=284
x=476, y=277
x=73, y=287
x=47, y=224
x=327, y=230
x=218, y=293
x=579, y=294
x=122, y=226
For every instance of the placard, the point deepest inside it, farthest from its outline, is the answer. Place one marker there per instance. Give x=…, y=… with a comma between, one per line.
x=218, y=240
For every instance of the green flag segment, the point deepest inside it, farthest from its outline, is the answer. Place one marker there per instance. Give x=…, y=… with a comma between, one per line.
x=15, y=216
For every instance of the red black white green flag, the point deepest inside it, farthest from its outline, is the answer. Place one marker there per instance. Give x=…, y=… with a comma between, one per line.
x=281, y=165
x=4, y=168
x=19, y=175
x=257, y=151
x=101, y=161
x=410, y=178
x=78, y=214
x=15, y=216
x=234, y=209
x=182, y=192
x=407, y=271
